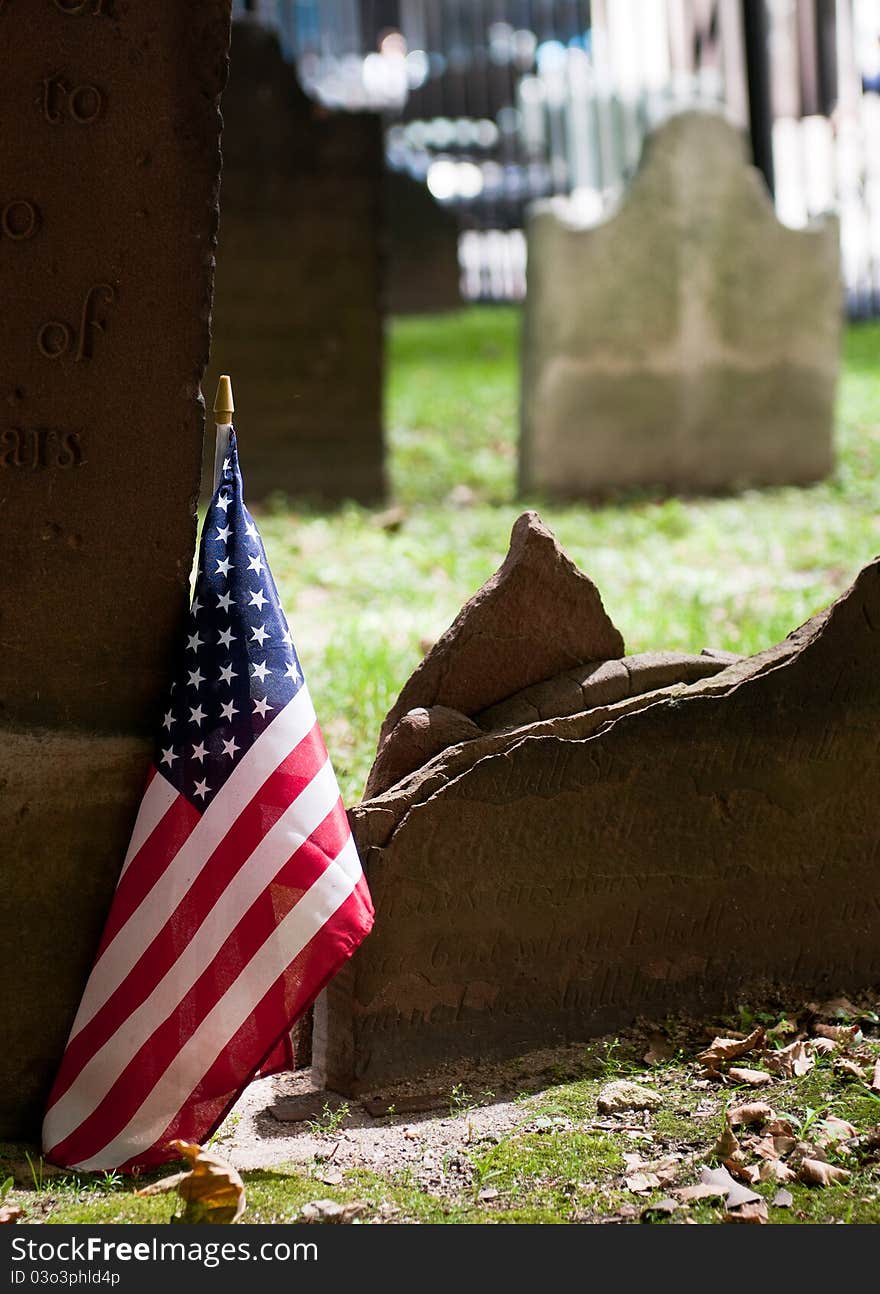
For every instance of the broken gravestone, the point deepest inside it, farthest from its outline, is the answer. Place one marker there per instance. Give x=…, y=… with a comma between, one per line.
x=655, y=846
x=298, y=307
x=108, y=211
x=689, y=341
x=421, y=237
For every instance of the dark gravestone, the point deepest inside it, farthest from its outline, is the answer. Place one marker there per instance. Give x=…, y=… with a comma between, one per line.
x=672, y=850
x=297, y=317
x=109, y=162
x=423, y=275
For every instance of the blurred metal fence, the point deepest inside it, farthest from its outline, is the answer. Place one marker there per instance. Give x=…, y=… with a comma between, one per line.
x=493, y=103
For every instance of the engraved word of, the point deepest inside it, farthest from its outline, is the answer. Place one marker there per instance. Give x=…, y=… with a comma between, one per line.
x=19, y=220
x=80, y=103
x=39, y=448
x=57, y=338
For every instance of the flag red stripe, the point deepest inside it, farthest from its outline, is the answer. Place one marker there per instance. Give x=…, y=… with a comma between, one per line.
x=136, y=1081
x=267, y=806
x=148, y=864
x=290, y=995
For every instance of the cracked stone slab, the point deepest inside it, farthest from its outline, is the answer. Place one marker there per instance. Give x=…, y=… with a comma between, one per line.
x=669, y=851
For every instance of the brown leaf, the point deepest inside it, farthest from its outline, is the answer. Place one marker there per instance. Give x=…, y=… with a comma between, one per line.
x=212, y=1191
x=875, y=1081
x=779, y=1128
x=753, y=1112
x=700, y=1191
x=730, y=1048
x=753, y=1211
x=816, y=1173
x=660, y=1206
x=765, y=1148
x=727, y=1145
x=792, y=1061
x=751, y=1077
x=774, y=1170
x=10, y=1213
x=850, y=1068
x=748, y=1173
x=823, y=1046
x=838, y=1007
x=842, y=1034
x=641, y=1183
x=832, y=1130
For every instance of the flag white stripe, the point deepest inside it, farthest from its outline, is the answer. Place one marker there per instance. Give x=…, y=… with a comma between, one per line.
x=269, y=750
x=158, y=799
x=223, y=1021
x=102, y=1070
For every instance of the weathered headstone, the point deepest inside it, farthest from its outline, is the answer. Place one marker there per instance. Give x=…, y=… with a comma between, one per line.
x=422, y=270
x=109, y=162
x=297, y=310
x=652, y=851
x=690, y=341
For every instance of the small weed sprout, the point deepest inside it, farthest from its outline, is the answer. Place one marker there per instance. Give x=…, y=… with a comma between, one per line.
x=5, y=1188
x=330, y=1120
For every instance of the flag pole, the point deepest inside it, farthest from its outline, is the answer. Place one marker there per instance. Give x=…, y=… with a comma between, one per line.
x=223, y=411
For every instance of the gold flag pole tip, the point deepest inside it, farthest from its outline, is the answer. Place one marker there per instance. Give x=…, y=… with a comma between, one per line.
x=224, y=406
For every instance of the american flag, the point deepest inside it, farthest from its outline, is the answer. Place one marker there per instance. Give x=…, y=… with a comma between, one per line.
x=241, y=893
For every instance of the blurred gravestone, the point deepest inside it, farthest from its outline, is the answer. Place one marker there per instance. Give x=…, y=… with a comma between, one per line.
x=422, y=272
x=690, y=341
x=297, y=313
x=109, y=163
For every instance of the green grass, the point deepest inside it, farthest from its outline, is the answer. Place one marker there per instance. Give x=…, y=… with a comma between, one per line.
x=738, y=572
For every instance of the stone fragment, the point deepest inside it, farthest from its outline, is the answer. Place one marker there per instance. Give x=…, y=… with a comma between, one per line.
x=419, y=736
x=110, y=159
x=623, y=1095
x=690, y=341
x=676, y=851
x=590, y=685
x=537, y=616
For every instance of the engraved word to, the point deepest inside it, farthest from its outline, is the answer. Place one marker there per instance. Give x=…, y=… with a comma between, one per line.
x=38, y=448
x=57, y=338
x=80, y=103
x=19, y=219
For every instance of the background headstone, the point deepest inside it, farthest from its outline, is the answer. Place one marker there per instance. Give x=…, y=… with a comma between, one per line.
x=422, y=270
x=109, y=162
x=690, y=341
x=297, y=313
x=681, y=849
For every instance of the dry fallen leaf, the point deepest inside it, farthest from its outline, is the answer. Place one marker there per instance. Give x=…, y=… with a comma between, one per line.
x=212, y=1191
x=730, y=1048
x=843, y=1034
x=753, y=1112
x=641, y=1183
x=774, y=1170
x=727, y=1145
x=752, y=1211
x=751, y=1077
x=832, y=1130
x=823, y=1046
x=850, y=1068
x=10, y=1213
x=817, y=1173
x=838, y=1007
x=700, y=1191
x=875, y=1081
x=748, y=1173
x=782, y=1199
x=792, y=1061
